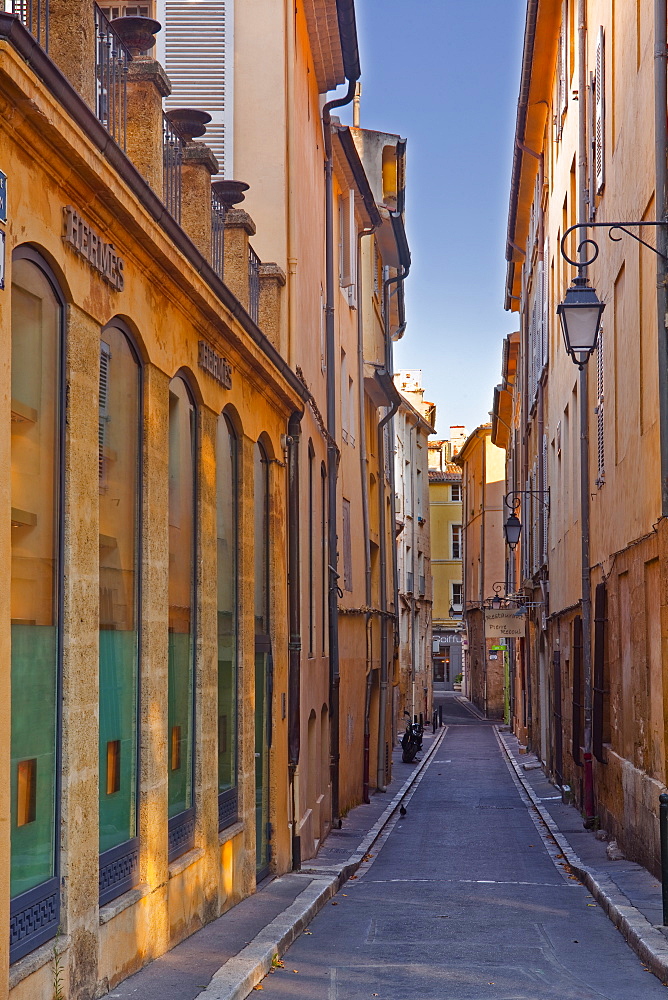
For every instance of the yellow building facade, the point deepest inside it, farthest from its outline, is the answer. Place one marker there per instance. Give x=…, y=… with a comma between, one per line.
x=486, y=678
x=590, y=148
x=447, y=545
x=198, y=407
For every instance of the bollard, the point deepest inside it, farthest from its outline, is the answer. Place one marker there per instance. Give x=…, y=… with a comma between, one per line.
x=434, y=721
x=663, y=824
x=421, y=720
x=440, y=715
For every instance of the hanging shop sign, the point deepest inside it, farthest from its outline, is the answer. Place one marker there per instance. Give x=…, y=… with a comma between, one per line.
x=213, y=363
x=504, y=623
x=101, y=256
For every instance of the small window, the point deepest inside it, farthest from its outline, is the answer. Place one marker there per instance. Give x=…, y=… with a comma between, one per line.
x=456, y=492
x=456, y=541
x=457, y=596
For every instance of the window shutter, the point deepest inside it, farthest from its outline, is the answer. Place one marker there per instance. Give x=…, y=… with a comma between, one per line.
x=600, y=479
x=105, y=358
x=195, y=43
x=348, y=238
x=562, y=85
x=599, y=95
x=544, y=500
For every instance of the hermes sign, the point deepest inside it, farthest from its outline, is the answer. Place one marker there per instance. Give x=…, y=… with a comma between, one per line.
x=89, y=245
x=217, y=366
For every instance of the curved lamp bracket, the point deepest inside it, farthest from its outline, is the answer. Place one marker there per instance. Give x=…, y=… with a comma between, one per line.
x=613, y=228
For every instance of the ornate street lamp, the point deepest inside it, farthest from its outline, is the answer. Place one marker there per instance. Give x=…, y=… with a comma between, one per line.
x=580, y=314
x=512, y=529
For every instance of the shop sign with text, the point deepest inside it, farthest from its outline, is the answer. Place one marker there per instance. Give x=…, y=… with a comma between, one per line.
x=101, y=256
x=504, y=623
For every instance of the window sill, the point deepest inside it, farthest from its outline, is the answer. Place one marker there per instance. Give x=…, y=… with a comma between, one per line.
x=230, y=832
x=36, y=960
x=185, y=861
x=116, y=906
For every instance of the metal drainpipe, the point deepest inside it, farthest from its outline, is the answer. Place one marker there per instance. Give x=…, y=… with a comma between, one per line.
x=365, y=504
x=660, y=154
x=332, y=456
x=382, y=700
x=582, y=205
x=295, y=641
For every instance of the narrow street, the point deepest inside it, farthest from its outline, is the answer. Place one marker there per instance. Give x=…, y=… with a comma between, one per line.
x=463, y=901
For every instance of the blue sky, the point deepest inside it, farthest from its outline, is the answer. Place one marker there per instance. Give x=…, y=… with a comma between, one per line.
x=445, y=75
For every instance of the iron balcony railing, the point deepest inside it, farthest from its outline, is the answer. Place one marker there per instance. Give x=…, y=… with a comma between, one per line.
x=112, y=59
x=34, y=15
x=217, y=233
x=172, y=156
x=253, y=284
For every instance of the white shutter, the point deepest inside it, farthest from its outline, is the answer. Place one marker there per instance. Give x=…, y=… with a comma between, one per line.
x=193, y=49
x=562, y=66
x=599, y=95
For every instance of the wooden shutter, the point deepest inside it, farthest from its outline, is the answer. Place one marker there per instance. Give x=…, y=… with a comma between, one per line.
x=195, y=43
x=599, y=101
x=598, y=700
x=544, y=501
x=349, y=246
x=577, y=691
x=347, y=547
x=600, y=479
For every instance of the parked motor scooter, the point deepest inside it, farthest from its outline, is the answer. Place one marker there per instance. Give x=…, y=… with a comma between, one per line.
x=411, y=741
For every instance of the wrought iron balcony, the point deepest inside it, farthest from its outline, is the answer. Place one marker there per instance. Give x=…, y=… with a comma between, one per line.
x=34, y=15
x=112, y=59
x=218, y=210
x=172, y=153
x=253, y=285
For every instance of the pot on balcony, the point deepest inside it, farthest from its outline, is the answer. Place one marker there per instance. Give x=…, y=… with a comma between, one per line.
x=230, y=192
x=190, y=123
x=136, y=33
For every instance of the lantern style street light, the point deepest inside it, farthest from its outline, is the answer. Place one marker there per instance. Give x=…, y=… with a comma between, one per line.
x=580, y=314
x=512, y=530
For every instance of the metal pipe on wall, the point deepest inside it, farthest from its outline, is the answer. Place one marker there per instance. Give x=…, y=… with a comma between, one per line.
x=582, y=213
x=660, y=154
x=295, y=640
x=332, y=454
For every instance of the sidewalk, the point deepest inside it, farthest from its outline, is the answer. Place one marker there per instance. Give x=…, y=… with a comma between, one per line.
x=628, y=893
x=229, y=956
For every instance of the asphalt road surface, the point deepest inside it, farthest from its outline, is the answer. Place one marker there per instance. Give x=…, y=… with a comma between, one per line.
x=463, y=901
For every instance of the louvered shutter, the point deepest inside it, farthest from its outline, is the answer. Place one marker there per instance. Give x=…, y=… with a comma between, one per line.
x=546, y=303
x=544, y=500
x=352, y=248
x=599, y=95
x=105, y=358
x=562, y=95
x=193, y=51
x=599, y=410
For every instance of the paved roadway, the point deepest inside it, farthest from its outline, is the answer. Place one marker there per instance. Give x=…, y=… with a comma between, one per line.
x=463, y=902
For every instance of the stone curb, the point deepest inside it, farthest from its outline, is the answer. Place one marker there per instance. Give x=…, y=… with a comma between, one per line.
x=237, y=977
x=648, y=943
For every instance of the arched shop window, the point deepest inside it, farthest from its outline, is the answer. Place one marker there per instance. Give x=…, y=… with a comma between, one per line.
x=263, y=661
x=37, y=317
x=181, y=683
x=227, y=561
x=120, y=424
